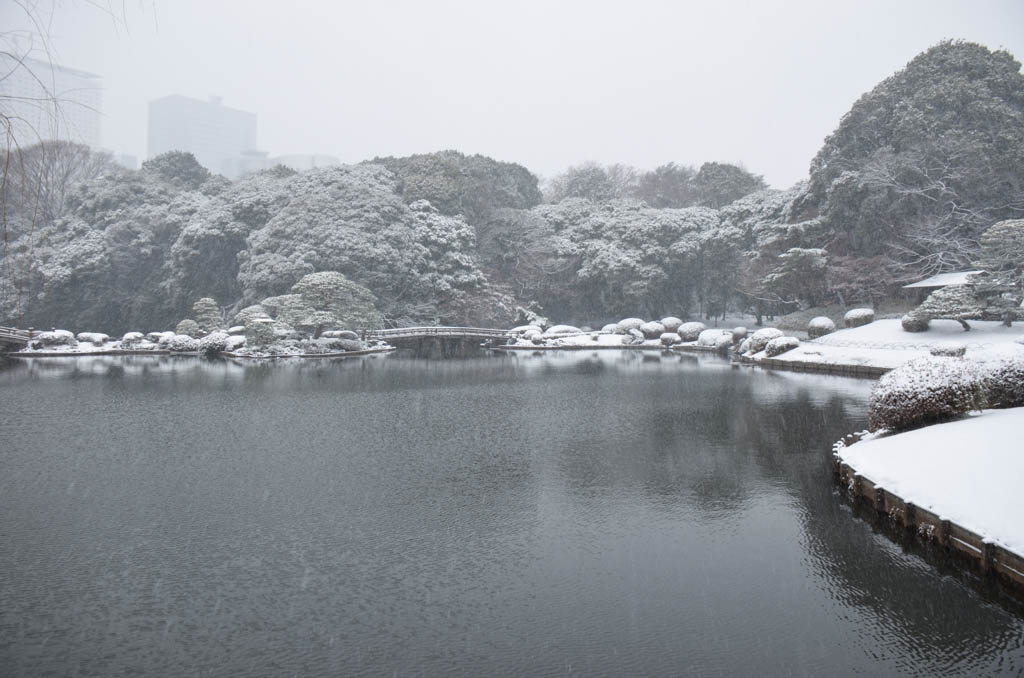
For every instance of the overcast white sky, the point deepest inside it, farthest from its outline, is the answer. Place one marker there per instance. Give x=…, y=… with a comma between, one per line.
x=546, y=84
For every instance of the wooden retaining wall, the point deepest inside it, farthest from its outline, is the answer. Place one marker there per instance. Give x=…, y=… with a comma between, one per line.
x=640, y=347
x=989, y=558
x=871, y=371
x=82, y=354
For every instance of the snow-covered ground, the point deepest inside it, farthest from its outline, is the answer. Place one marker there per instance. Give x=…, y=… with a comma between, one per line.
x=884, y=343
x=968, y=471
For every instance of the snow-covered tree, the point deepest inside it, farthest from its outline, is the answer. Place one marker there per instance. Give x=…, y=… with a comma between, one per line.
x=952, y=302
x=207, y=314
x=1001, y=256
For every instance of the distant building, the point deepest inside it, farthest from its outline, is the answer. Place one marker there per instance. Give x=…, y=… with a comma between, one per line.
x=48, y=102
x=222, y=139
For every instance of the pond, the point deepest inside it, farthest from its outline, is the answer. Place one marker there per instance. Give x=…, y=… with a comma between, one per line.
x=587, y=514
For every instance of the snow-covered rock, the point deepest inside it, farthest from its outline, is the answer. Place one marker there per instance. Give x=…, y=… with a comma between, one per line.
x=914, y=323
x=744, y=346
x=53, y=339
x=858, y=316
x=690, y=331
x=610, y=327
x=236, y=330
x=534, y=336
x=557, y=330
x=94, y=338
x=234, y=342
x=627, y=324
x=949, y=349
x=155, y=337
x=739, y=334
x=780, y=345
x=670, y=338
x=132, y=339
x=652, y=330
x=760, y=339
x=671, y=324
x=634, y=336
x=820, y=326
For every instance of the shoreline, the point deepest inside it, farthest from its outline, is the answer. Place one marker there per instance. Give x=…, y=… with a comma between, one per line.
x=910, y=495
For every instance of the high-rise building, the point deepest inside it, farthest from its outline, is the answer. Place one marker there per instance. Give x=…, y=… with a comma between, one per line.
x=44, y=102
x=221, y=138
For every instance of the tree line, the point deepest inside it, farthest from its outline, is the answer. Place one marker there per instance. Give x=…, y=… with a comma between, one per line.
x=906, y=186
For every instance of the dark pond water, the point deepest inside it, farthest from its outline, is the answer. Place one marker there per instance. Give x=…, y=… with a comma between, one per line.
x=612, y=515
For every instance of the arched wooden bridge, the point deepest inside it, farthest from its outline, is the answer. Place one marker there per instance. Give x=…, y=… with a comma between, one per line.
x=439, y=342
x=14, y=339
x=425, y=332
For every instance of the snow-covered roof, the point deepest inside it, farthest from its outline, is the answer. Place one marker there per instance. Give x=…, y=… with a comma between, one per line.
x=943, y=279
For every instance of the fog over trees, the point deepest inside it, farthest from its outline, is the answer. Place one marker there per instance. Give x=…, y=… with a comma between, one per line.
x=906, y=186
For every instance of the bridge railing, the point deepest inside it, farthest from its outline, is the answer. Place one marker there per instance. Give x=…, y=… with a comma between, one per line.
x=14, y=335
x=399, y=332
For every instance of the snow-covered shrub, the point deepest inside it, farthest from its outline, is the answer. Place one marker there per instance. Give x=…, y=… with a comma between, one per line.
x=234, y=342
x=179, y=343
x=710, y=337
x=820, y=326
x=634, y=336
x=52, y=339
x=670, y=338
x=724, y=342
x=1003, y=380
x=914, y=323
x=610, y=327
x=760, y=339
x=858, y=316
x=556, y=330
x=250, y=312
x=187, y=326
x=259, y=332
x=671, y=324
x=924, y=391
x=949, y=349
x=208, y=315
x=331, y=345
x=95, y=338
x=652, y=330
x=534, y=336
x=132, y=339
x=627, y=324
x=214, y=342
x=739, y=334
x=780, y=345
x=690, y=331
x=340, y=334
x=155, y=337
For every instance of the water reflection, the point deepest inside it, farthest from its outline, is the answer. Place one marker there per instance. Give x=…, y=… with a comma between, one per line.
x=603, y=513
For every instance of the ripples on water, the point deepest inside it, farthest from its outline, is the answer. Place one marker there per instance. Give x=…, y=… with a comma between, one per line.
x=593, y=514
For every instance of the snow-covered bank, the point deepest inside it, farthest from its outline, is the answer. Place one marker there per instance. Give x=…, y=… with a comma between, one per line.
x=967, y=471
x=884, y=344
